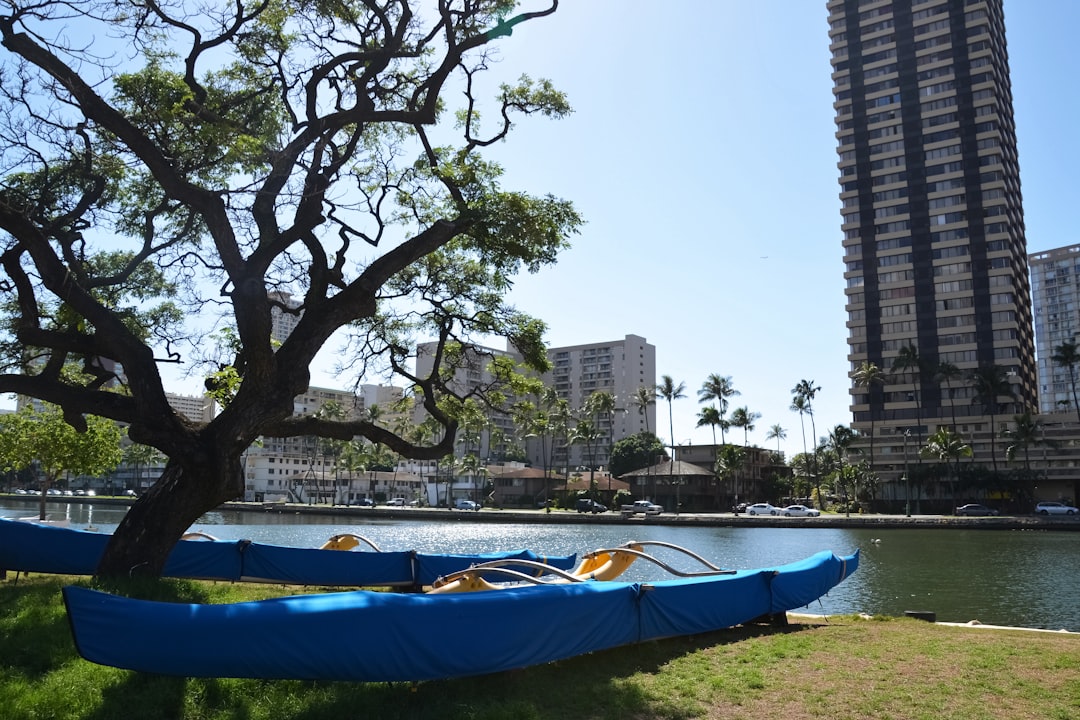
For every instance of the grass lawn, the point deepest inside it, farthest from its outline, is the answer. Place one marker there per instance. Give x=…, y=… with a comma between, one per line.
x=843, y=668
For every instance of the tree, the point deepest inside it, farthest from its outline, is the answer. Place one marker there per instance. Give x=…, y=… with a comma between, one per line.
x=991, y=384
x=909, y=363
x=317, y=157
x=839, y=445
x=803, y=402
x=586, y=433
x=601, y=404
x=47, y=440
x=670, y=391
x=745, y=419
x=140, y=456
x=777, y=433
x=718, y=388
x=945, y=374
x=635, y=452
x=1067, y=355
x=867, y=375
x=944, y=446
x=644, y=397
x=1026, y=433
x=728, y=466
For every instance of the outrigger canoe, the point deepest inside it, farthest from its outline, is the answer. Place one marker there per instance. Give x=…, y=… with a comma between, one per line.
x=389, y=637
x=30, y=547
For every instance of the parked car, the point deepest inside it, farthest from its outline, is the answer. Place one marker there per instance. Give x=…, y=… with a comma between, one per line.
x=975, y=510
x=762, y=509
x=1055, y=508
x=589, y=505
x=799, y=511
x=467, y=505
x=91, y=493
x=396, y=502
x=365, y=502
x=130, y=493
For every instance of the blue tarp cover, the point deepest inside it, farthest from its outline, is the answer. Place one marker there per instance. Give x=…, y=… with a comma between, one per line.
x=31, y=547
x=368, y=636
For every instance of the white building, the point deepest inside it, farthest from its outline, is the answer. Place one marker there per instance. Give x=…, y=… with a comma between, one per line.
x=619, y=367
x=274, y=467
x=284, y=313
x=1055, y=299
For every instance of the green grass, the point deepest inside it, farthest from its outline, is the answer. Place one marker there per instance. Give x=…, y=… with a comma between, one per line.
x=844, y=669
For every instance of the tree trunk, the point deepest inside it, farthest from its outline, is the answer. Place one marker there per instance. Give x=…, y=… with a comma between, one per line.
x=154, y=524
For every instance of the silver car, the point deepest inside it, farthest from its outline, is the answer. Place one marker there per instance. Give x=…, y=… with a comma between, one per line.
x=799, y=511
x=1055, y=508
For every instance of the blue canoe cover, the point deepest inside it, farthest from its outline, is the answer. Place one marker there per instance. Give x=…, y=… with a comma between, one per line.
x=376, y=637
x=31, y=547
x=359, y=636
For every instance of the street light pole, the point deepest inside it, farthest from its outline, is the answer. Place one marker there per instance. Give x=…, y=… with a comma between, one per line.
x=907, y=476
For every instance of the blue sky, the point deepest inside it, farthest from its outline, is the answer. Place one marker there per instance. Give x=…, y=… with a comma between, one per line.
x=702, y=154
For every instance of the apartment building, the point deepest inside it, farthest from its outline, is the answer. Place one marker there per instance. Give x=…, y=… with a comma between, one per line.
x=933, y=228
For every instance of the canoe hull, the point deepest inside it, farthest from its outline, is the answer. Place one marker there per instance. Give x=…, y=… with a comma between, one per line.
x=366, y=636
x=28, y=547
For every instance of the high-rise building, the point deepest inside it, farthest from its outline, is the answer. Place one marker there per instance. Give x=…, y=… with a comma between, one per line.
x=1055, y=295
x=934, y=245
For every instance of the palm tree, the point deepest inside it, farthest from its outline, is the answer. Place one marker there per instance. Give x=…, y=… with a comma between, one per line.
x=1068, y=355
x=642, y=398
x=804, y=393
x=777, y=433
x=586, y=432
x=709, y=416
x=943, y=446
x=946, y=373
x=718, y=388
x=866, y=376
x=908, y=362
x=839, y=443
x=560, y=419
x=743, y=418
x=799, y=404
x=991, y=384
x=668, y=390
x=602, y=403
x=728, y=464
x=1027, y=433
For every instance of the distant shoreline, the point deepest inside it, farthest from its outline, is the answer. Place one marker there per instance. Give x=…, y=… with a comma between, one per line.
x=568, y=517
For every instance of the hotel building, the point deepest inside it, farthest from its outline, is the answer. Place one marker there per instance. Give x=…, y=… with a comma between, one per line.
x=933, y=227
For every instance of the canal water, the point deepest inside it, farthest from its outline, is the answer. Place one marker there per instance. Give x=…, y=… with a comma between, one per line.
x=998, y=577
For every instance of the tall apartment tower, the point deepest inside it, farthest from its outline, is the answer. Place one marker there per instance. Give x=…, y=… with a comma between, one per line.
x=934, y=246
x=1055, y=295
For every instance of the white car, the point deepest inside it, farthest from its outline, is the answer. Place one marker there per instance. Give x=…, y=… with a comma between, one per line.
x=1055, y=508
x=466, y=505
x=799, y=511
x=762, y=509
x=396, y=502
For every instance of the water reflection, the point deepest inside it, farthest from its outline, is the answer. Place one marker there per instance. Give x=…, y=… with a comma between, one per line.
x=1027, y=578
